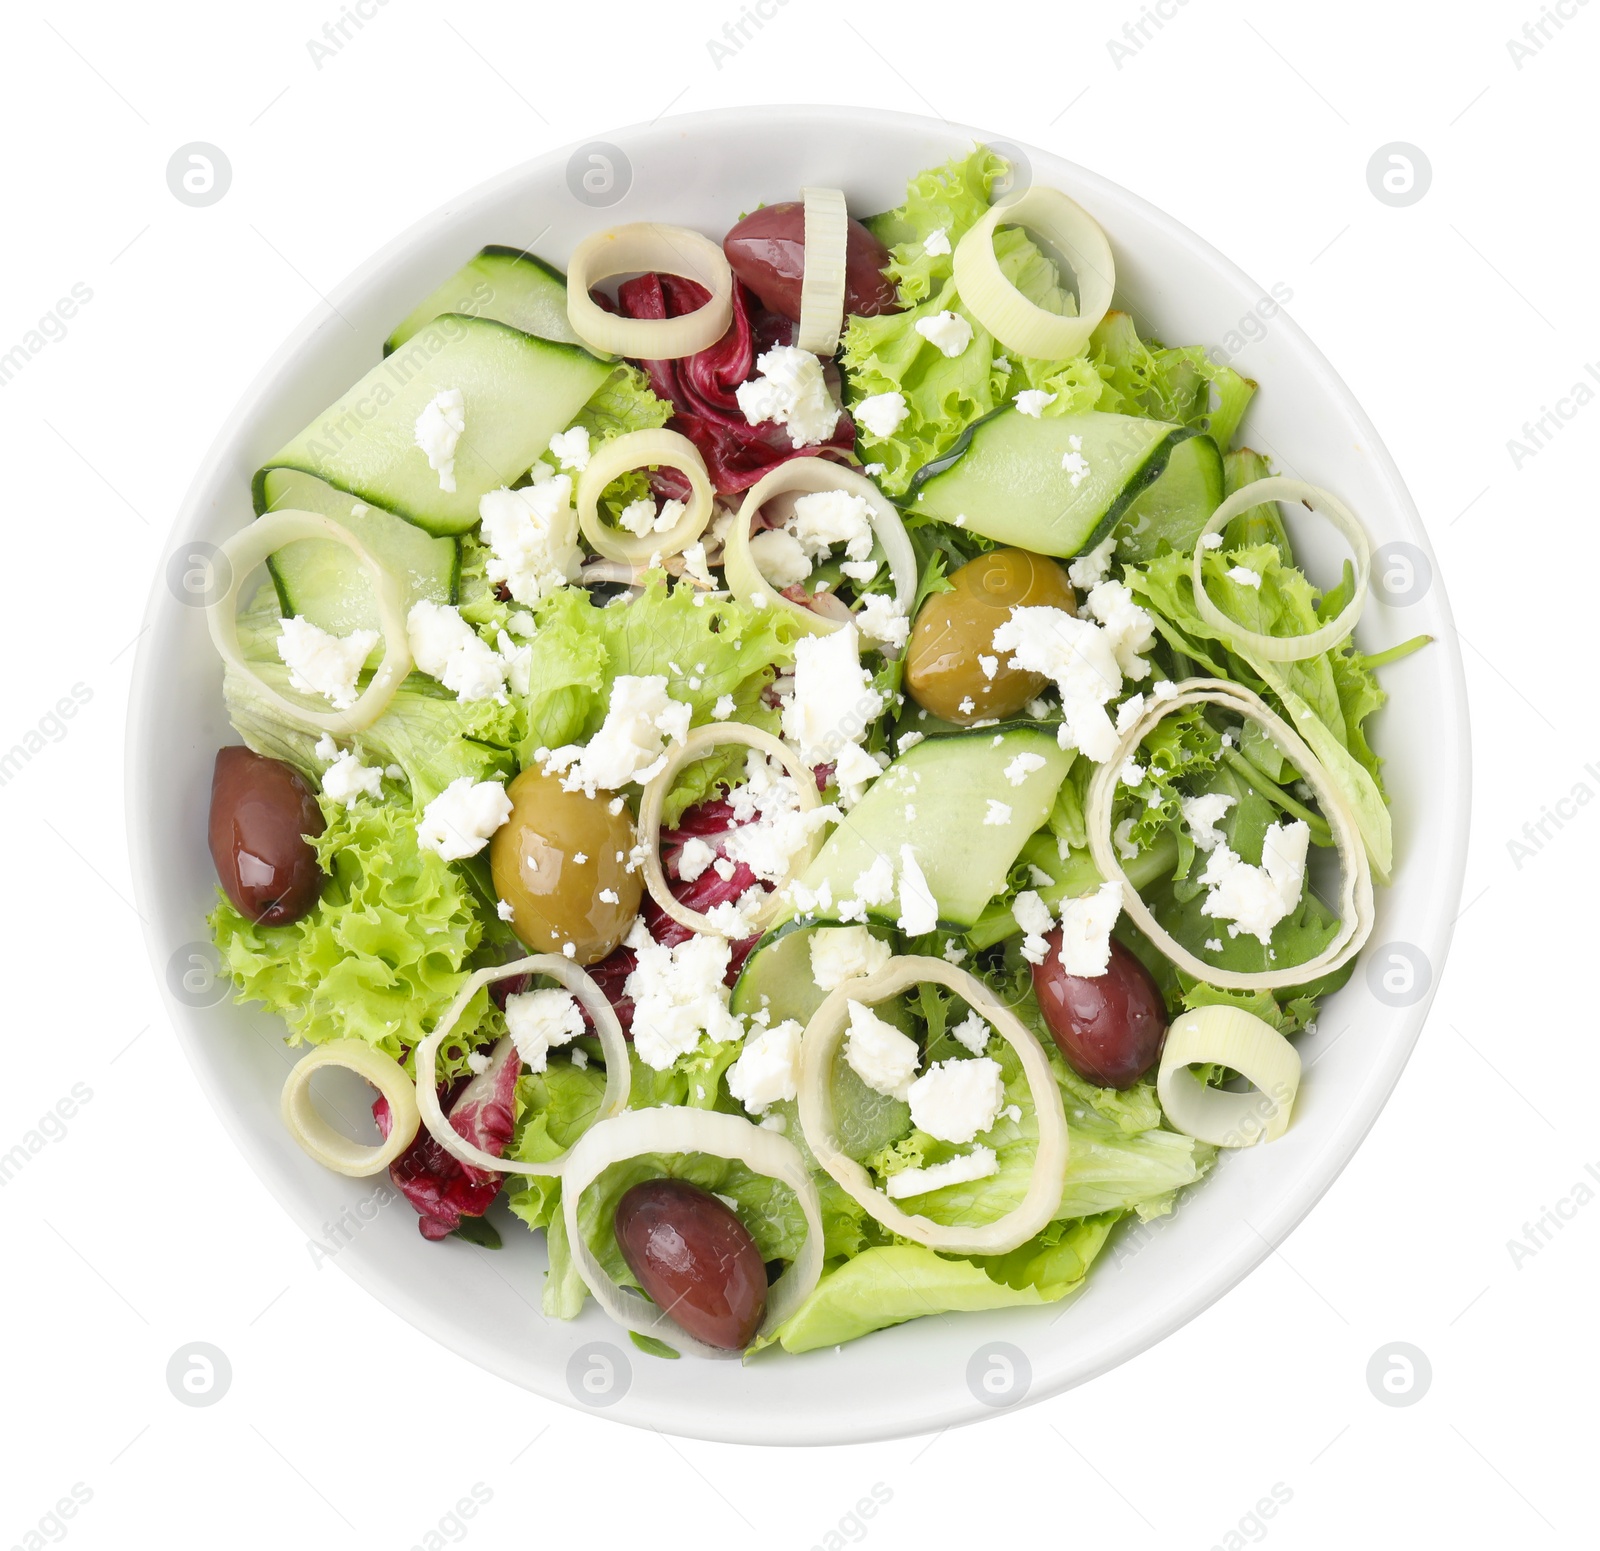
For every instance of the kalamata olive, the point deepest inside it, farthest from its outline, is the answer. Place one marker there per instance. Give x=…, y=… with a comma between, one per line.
x=261, y=810
x=695, y=1259
x=560, y=862
x=767, y=251
x=1109, y=1028
x=955, y=629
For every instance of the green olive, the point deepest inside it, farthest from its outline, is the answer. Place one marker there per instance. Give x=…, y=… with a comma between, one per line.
x=955, y=628
x=560, y=862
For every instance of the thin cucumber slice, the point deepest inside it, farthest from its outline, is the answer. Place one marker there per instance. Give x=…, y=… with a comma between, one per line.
x=505, y=284
x=1177, y=506
x=325, y=583
x=1011, y=477
x=937, y=798
x=518, y=392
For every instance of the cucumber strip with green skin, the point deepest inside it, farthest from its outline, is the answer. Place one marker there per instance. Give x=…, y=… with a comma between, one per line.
x=1005, y=478
x=1176, y=507
x=505, y=284
x=947, y=784
x=518, y=392
x=326, y=584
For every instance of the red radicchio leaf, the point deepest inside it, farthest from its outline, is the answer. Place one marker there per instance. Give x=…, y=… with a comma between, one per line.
x=482, y=1110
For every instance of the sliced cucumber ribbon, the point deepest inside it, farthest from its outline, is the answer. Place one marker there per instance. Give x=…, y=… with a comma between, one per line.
x=822, y=285
x=1231, y=1037
x=331, y=1148
x=653, y=802
x=819, y=1049
x=649, y=247
x=1355, y=869
x=1285, y=648
x=248, y=549
x=683, y=1130
x=1019, y=325
x=612, y=1042
x=811, y=476
x=639, y=450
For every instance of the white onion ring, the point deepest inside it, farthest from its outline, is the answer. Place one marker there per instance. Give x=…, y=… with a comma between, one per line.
x=810, y=476
x=331, y=1148
x=637, y=450
x=818, y=1048
x=1355, y=871
x=640, y=248
x=822, y=285
x=247, y=549
x=653, y=801
x=1019, y=325
x=565, y=972
x=1231, y=1037
x=682, y=1130
x=1285, y=648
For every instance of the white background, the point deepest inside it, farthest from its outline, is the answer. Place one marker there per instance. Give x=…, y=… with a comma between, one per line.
x=1454, y=319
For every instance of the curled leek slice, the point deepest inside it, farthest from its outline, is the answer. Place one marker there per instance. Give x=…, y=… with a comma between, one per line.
x=649, y=247
x=639, y=450
x=822, y=287
x=1000, y=307
x=684, y=1130
x=566, y=973
x=1231, y=1037
x=1355, y=870
x=819, y=1047
x=695, y=746
x=331, y=1148
x=1286, y=648
x=809, y=476
x=248, y=549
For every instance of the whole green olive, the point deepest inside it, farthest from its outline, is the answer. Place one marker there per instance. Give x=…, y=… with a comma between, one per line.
x=955, y=629
x=560, y=863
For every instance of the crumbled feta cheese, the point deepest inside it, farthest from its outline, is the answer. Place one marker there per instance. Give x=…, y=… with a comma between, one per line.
x=1211, y=541
x=1129, y=712
x=532, y=534
x=860, y=571
x=880, y=618
x=774, y=828
x=630, y=745
x=695, y=565
x=1132, y=772
x=780, y=558
x=1033, y=916
x=694, y=856
x=882, y=413
x=972, y=1033
x=1213, y=945
x=460, y=820
x=437, y=432
x=723, y=709
x=571, y=448
x=851, y=771
x=477, y=1062
x=1076, y=466
x=764, y=1074
x=791, y=391
x=505, y=911
x=953, y=953
x=1081, y=658
x=909, y=740
x=1201, y=815
x=824, y=518
x=538, y=1021
x=1033, y=402
x=956, y=1100
x=1245, y=577
x=724, y=868
x=1022, y=767
x=323, y=664
x=1255, y=899
x=997, y=812
x=1086, y=925
x=840, y=953
x=642, y=518
x=947, y=332
x=879, y=1054
x=875, y=886
x=980, y=1163
x=1163, y=689
x=678, y=995
x=937, y=243
x=1123, y=836
x=1090, y=569
x=833, y=702
x=447, y=648
x=1130, y=628
x=919, y=911
x=347, y=778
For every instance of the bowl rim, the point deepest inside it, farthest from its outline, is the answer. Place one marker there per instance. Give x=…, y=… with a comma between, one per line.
x=1347, y=1131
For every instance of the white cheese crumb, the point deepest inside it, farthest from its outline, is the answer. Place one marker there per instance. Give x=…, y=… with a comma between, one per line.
x=447, y=648
x=438, y=431
x=1213, y=945
x=1033, y=916
x=882, y=414
x=1129, y=712
x=764, y=1074
x=780, y=558
x=347, y=778
x=972, y=1033
x=909, y=740
x=1086, y=925
x=460, y=820
x=532, y=534
x=694, y=856
x=1211, y=541
x=323, y=664
x=790, y=391
x=505, y=911
x=824, y=518
x=879, y=1054
x=997, y=812
x=1201, y=815
x=955, y=1100
x=880, y=618
x=919, y=911
x=833, y=703
x=1033, y=401
x=1255, y=899
x=570, y=448
x=989, y=665
x=1245, y=577
x=980, y=1163
x=723, y=709
x=947, y=332
x=839, y=953
x=1091, y=569
x=953, y=953
x=851, y=772
x=1022, y=767
x=678, y=995
x=630, y=745
x=477, y=1062
x=538, y=1021
x=937, y=243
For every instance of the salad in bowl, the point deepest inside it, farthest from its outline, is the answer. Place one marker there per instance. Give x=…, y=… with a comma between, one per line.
x=803, y=764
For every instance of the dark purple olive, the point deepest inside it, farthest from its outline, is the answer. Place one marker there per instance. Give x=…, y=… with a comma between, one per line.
x=261, y=810
x=695, y=1259
x=1108, y=1028
x=767, y=251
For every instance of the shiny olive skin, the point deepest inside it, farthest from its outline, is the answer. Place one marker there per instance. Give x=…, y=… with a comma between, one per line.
x=1108, y=1028
x=953, y=629
x=695, y=1259
x=261, y=811
x=555, y=897
x=767, y=251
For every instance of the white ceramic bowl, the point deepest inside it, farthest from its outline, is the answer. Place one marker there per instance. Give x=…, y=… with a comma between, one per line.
x=704, y=171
